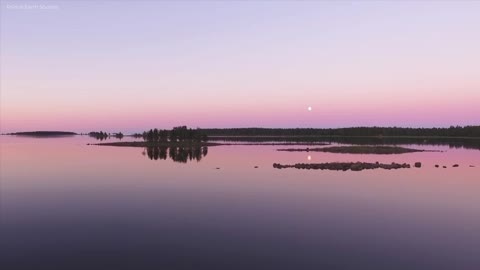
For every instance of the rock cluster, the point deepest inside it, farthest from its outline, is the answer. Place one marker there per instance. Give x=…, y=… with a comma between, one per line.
x=343, y=166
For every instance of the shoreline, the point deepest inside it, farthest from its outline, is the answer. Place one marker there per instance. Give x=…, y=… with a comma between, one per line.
x=355, y=149
x=215, y=137
x=159, y=144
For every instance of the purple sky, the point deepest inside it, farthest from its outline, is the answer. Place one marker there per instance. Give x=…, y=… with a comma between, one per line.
x=130, y=65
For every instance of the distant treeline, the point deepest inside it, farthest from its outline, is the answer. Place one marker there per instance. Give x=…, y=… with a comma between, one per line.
x=44, y=133
x=453, y=131
x=177, y=134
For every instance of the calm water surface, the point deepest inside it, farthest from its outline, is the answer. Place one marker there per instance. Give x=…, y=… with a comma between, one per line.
x=66, y=205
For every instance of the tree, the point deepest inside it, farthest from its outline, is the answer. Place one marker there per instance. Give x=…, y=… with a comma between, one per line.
x=155, y=135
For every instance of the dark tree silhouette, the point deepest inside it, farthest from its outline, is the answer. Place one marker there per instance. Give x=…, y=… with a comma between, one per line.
x=453, y=131
x=100, y=135
x=155, y=135
x=177, y=134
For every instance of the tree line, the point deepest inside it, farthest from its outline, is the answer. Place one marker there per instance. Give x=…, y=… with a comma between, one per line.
x=100, y=135
x=452, y=131
x=177, y=134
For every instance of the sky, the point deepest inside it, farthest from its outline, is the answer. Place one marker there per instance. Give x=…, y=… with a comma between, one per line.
x=135, y=65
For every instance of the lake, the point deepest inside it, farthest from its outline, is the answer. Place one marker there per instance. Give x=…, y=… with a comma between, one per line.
x=68, y=205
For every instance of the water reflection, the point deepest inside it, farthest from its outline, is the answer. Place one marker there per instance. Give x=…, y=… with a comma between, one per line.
x=76, y=201
x=177, y=154
x=466, y=143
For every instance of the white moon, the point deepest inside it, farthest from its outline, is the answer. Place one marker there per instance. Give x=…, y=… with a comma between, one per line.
x=309, y=108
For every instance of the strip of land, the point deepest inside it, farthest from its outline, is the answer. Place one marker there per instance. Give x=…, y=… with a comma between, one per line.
x=44, y=133
x=190, y=144
x=383, y=150
x=453, y=131
x=344, y=166
x=157, y=144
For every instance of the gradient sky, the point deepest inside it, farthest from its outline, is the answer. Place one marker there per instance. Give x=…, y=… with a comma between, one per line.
x=130, y=65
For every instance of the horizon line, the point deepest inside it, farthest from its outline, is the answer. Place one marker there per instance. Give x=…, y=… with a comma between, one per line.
x=253, y=127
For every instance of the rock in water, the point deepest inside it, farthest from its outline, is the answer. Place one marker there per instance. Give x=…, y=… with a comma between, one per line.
x=343, y=166
x=436, y=166
x=418, y=164
x=455, y=165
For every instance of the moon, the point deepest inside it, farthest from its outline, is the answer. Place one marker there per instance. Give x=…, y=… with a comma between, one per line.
x=309, y=108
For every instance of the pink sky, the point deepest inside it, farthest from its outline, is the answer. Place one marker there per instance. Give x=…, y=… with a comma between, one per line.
x=132, y=66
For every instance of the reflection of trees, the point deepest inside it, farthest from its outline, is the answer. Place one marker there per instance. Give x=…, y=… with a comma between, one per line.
x=177, y=154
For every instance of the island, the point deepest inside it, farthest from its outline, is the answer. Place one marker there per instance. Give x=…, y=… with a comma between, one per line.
x=44, y=133
x=180, y=136
x=157, y=144
x=344, y=166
